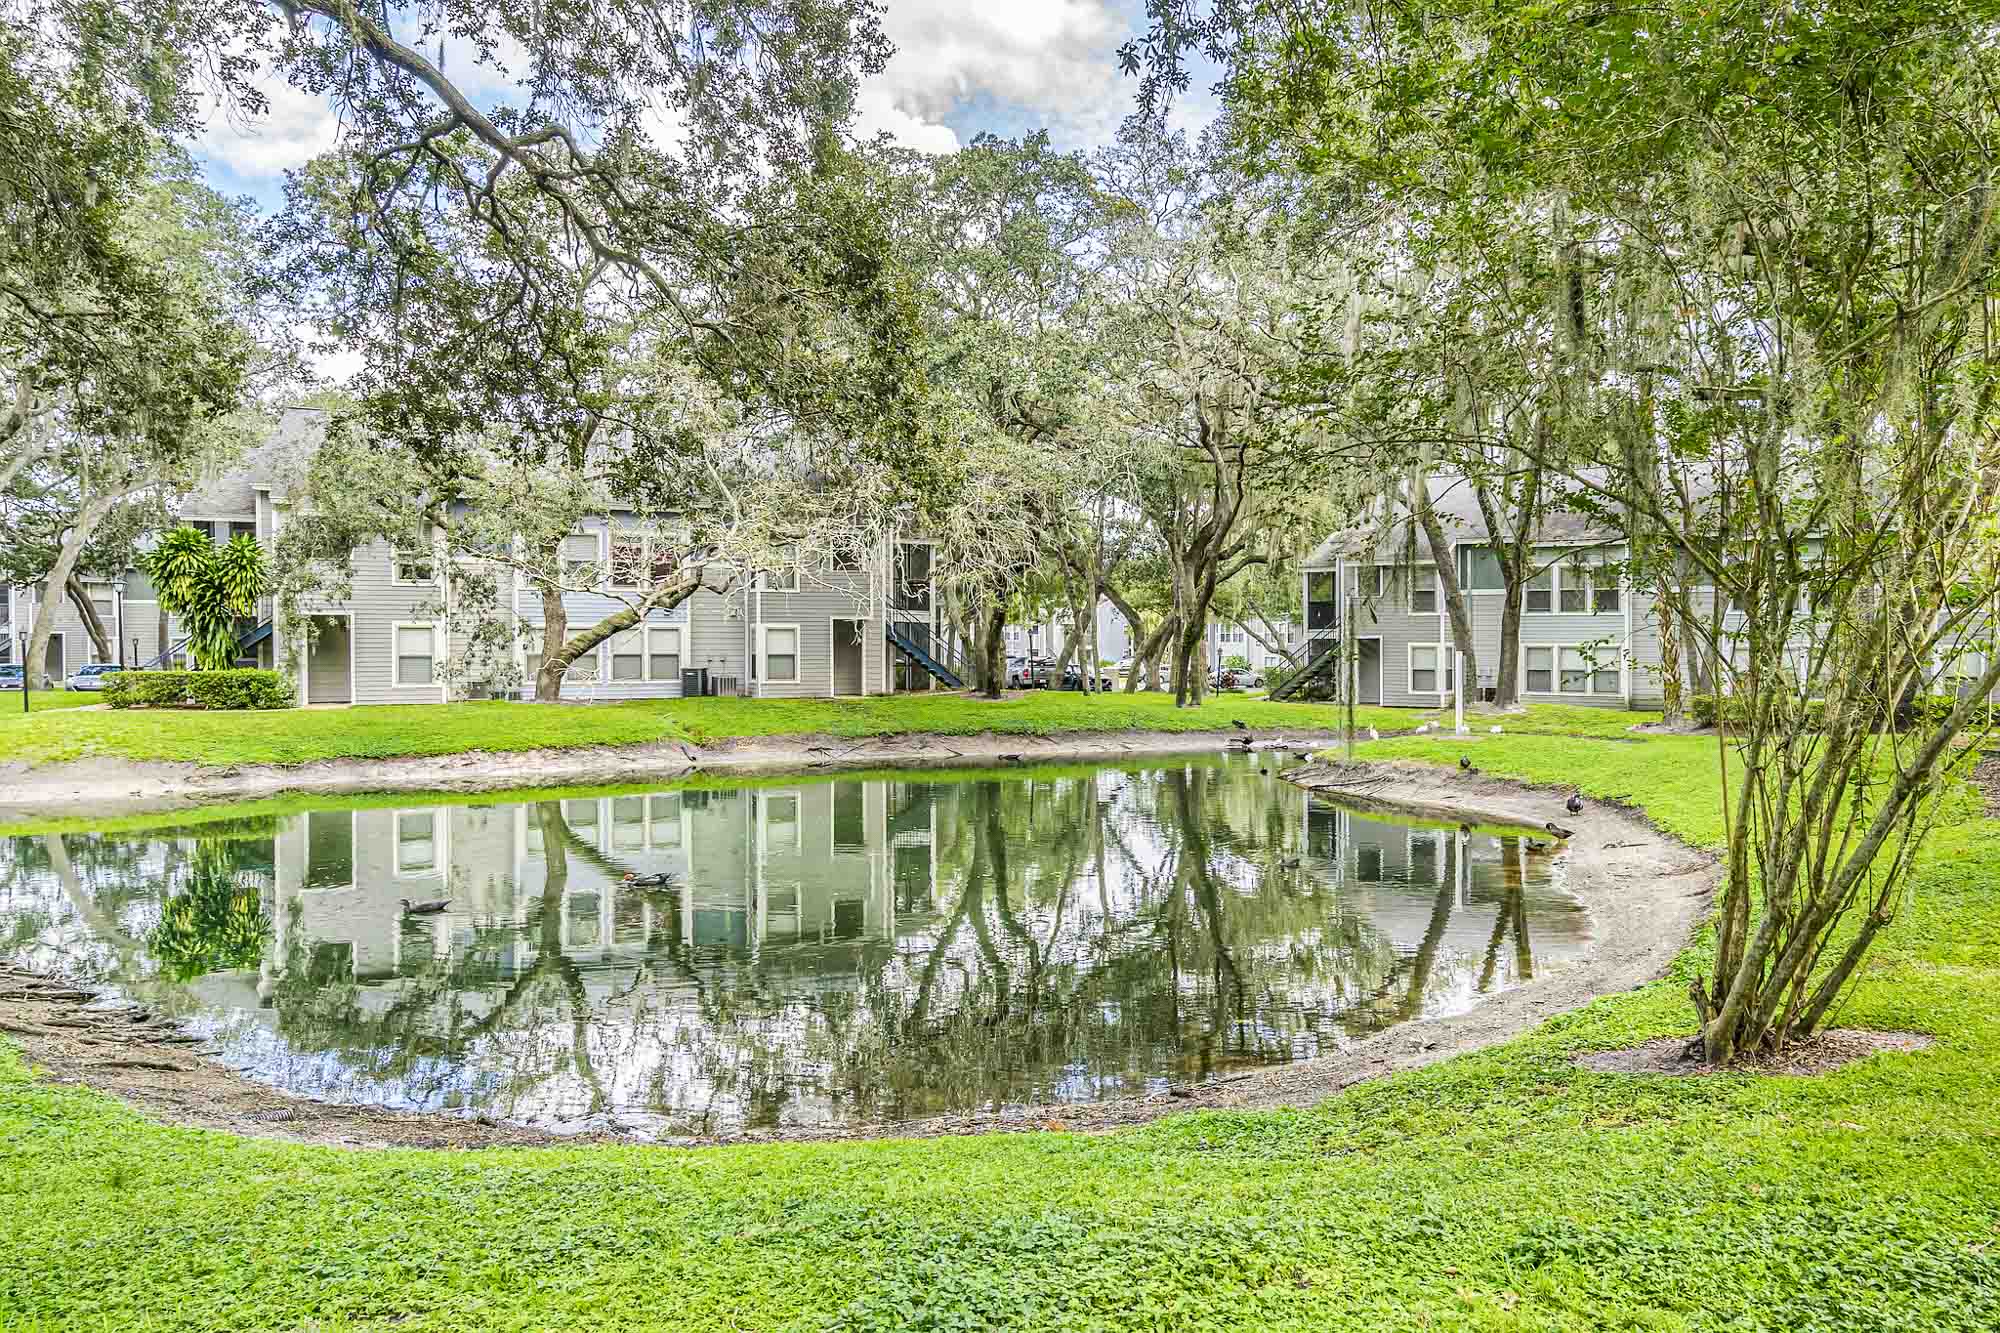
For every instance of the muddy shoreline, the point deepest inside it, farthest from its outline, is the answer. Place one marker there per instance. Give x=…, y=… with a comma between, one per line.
x=108, y=788
x=1645, y=893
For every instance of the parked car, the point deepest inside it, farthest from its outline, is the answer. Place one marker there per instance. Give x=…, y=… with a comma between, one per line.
x=1041, y=673
x=1072, y=679
x=92, y=677
x=1224, y=679
x=10, y=678
x=1017, y=673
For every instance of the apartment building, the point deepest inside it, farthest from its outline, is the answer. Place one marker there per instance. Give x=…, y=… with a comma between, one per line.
x=1585, y=638
x=797, y=632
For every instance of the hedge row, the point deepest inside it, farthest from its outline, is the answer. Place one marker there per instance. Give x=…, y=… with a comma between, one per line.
x=1921, y=710
x=197, y=689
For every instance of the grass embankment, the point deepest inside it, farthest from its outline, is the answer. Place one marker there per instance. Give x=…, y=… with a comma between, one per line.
x=1501, y=1190
x=45, y=701
x=302, y=735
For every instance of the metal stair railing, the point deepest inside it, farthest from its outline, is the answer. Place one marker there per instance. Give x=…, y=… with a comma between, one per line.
x=925, y=657
x=1318, y=662
x=249, y=638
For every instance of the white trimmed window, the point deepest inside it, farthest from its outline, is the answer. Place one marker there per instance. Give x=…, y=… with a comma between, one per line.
x=781, y=822
x=628, y=655
x=781, y=654
x=628, y=559
x=1425, y=670
x=414, y=564
x=785, y=577
x=1424, y=590
x=416, y=655
x=1574, y=594
x=628, y=823
x=419, y=839
x=663, y=652
x=1604, y=591
x=663, y=820
x=1540, y=598
x=1575, y=671
x=579, y=559
x=1541, y=670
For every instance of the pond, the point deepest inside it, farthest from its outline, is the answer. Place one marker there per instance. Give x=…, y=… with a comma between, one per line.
x=822, y=951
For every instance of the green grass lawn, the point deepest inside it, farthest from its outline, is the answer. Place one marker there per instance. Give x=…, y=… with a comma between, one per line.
x=298, y=736
x=43, y=701
x=1503, y=1190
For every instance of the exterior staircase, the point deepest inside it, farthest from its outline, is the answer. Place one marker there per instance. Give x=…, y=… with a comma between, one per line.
x=248, y=638
x=932, y=657
x=1321, y=659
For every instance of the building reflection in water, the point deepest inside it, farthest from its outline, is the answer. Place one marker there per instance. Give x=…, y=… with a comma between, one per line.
x=709, y=960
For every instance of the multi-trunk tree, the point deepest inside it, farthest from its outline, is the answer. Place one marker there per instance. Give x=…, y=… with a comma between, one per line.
x=1786, y=231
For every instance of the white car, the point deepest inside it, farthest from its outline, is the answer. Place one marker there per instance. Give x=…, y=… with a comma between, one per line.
x=92, y=676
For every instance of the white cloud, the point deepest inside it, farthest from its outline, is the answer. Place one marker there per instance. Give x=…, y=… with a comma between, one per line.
x=297, y=127
x=1039, y=62
x=959, y=67
x=876, y=112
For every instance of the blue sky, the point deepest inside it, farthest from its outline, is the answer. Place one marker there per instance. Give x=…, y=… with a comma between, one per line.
x=961, y=68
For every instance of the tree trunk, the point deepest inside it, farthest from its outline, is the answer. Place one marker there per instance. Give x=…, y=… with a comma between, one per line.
x=100, y=637
x=1507, y=675
x=993, y=654
x=55, y=584
x=555, y=630
x=1673, y=706
x=555, y=623
x=1447, y=568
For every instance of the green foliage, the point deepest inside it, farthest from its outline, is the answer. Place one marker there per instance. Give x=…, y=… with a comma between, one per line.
x=207, y=588
x=227, y=690
x=212, y=923
x=1499, y=1190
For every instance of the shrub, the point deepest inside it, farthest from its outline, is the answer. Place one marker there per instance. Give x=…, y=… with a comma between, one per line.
x=145, y=689
x=233, y=689
x=1928, y=710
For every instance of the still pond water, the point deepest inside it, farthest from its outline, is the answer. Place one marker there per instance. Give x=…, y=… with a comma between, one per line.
x=847, y=950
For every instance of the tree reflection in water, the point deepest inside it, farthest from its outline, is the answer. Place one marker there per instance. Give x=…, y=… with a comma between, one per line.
x=840, y=951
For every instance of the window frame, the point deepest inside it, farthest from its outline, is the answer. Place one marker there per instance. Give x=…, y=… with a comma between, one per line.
x=764, y=676
x=650, y=653
x=440, y=841
x=425, y=553
x=1435, y=591
x=1445, y=668
x=1528, y=669
x=396, y=655
x=636, y=636
x=571, y=568
x=1551, y=572
x=784, y=577
x=644, y=539
x=353, y=853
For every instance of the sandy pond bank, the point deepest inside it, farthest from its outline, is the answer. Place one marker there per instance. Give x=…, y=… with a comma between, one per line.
x=1644, y=892
x=93, y=788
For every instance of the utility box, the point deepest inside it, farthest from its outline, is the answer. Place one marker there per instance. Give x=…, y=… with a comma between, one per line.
x=694, y=682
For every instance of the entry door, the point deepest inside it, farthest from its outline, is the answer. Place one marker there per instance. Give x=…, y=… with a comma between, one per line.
x=1368, y=663
x=847, y=656
x=329, y=676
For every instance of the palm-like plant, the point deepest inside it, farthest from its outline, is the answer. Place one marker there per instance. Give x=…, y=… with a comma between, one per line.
x=207, y=587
